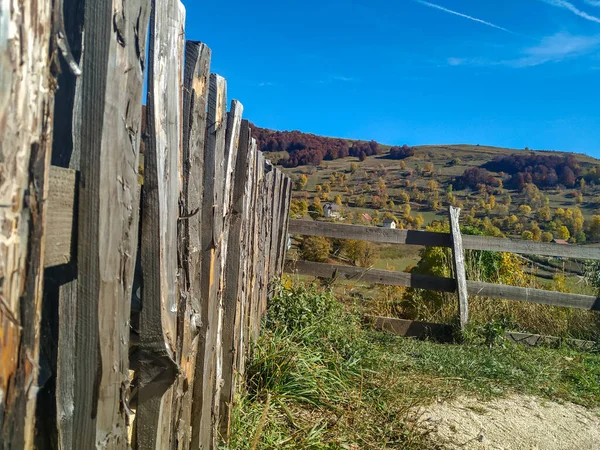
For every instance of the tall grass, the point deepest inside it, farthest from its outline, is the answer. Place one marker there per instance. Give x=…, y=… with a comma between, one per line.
x=313, y=363
x=318, y=378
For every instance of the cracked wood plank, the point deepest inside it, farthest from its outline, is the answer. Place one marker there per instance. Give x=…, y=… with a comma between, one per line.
x=157, y=352
x=111, y=94
x=26, y=110
x=211, y=240
x=195, y=98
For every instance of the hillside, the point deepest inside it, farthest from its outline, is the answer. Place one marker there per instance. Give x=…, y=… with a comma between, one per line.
x=537, y=195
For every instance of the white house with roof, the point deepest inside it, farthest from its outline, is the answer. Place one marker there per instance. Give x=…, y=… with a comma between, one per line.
x=332, y=211
x=389, y=223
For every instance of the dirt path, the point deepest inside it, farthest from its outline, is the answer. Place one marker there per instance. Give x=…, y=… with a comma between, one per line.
x=515, y=423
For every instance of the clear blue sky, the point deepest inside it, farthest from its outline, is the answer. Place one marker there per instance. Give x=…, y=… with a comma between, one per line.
x=511, y=73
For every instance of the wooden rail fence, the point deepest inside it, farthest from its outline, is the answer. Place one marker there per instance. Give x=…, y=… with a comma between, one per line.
x=458, y=243
x=128, y=301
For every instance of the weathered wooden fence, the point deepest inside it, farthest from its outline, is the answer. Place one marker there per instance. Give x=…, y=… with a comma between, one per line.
x=458, y=243
x=128, y=303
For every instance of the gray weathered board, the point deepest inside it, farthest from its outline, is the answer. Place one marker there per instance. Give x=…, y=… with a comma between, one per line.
x=112, y=82
x=195, y=98
x=458, y=262
x=474, y=288
x=26, y=115
x=431, y=239
x=444, y=332
x=158, y=368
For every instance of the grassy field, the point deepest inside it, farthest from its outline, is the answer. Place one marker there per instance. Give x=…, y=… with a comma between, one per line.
x=320, y=378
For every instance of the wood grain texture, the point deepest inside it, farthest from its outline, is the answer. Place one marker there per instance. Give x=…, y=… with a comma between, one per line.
x=372, y=234
x=232, y=136
x=530, y=247
x=61, y=246
x=252, y=291
x=241, y=339
x=111, y=92
x=234, y=276
x=195, y=98
x=285, y=219
x=384, y=235
x=274, y=226
x=458, y=262
x=365, y=275
x=61, y=210
x=551, y=298
x=26, y=96
x=160, y=211
x=267, y=224
x=258, y=250
x=211, y=241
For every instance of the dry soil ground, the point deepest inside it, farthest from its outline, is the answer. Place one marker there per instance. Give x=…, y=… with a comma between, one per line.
x=515, y=423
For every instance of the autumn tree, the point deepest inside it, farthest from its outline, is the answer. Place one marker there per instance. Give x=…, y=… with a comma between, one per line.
x=361, y=253
x=298, y=208
x=315, y=248
x=301, y=182
x=525, y=209
x=527, y=235
x=316, y=208
x=563, y=233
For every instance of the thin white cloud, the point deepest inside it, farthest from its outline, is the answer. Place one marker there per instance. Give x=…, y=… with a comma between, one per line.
x=456, y=61
x=343, y=78
x=265, y=83
x=571, y=7
x=551, y=49
x=556, y=48
x=474, y=19
x=592, y=2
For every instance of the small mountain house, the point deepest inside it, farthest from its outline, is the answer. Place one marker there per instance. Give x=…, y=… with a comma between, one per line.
x=332, y=211
x=389, y=223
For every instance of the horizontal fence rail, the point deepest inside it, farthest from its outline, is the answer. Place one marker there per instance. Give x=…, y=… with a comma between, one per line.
x=458, y=243
x=434, y=239
x=440, y=284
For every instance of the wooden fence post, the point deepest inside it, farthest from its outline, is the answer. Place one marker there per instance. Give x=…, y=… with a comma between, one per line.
x=458, y=259
x=157, y=357
x=258, y=249
x=212, y=228
x=234, y=301
x=26, y=114
x=195, y=98
x=111, y=88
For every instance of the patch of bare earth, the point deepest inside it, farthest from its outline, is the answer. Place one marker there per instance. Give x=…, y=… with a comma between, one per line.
x=515, y=423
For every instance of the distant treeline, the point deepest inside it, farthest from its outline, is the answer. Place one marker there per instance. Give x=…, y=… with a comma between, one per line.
x=545, y=171
x=310, y=149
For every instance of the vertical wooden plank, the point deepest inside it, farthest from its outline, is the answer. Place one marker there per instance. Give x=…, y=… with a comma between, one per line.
x=458, y=259
x=160, y=210
x=231, y=149
x=212, y=224
x=284, y=222
x=111, y=91
x=26, y=104
x=257, y=247
x=195, y=98
x=236, y=259
x=245, y=289
x=62, y=289
x=273, y=238
x=252, y=256
x=267, y=228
